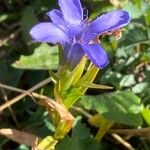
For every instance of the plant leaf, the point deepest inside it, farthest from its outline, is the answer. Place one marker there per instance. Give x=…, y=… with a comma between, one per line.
x=127, y=81
x=146, y=115
x=78, y=144
x=122, y=106
x=44, y=57
x=94, y=86
x=75, y=92
x=65, y=122
x=135, y=36
x=80, y=130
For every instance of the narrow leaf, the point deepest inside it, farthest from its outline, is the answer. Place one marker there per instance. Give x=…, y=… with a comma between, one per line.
x=48, y=143
x=94, y=86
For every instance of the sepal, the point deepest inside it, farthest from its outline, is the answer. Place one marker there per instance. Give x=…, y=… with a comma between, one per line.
x=47, y=143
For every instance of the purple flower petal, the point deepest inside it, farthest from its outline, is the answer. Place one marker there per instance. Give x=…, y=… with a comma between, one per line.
x=96, y=54
x=72, y=11
x=73, y=54
x=56, y=16
x=48, y=32
x=75, y=31
x=108, y=22
x=70, y=29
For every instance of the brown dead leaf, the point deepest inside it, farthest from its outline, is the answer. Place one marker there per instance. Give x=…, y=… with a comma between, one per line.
x=65, y=122
x=54, y=106
x=19, y=136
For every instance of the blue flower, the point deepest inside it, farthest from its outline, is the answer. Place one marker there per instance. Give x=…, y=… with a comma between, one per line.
x=77, y=36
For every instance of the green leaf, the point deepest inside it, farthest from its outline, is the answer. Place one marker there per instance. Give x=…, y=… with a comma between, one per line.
x=71, y=76
x=74, y=93
x=94, y=86
x=72, y=96
x=122, y=106
x=146, y=55
x=80, y=130
x=147, y=16
x=90, y=75
x=135, y=36
x=133, y=10
x=146, y=115
x=111, y=78
x=142, y=5
x=67, y=79
x=27, y=21
x=78, y=144
x=44, y=57
x=127, y=81
x=132, y=59
x=140, y=87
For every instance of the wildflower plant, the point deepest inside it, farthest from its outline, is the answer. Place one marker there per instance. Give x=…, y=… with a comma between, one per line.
x=80, y=57
x=73, y=81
